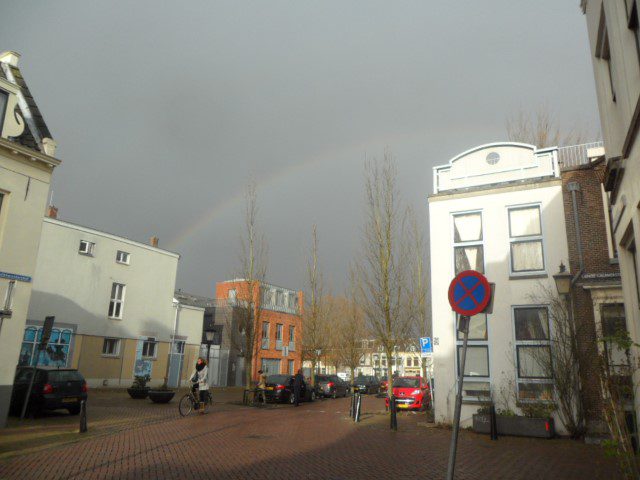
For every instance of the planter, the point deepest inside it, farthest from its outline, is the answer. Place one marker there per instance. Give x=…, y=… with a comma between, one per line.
x=138, y=393
x=161, y=396
x=515, y=425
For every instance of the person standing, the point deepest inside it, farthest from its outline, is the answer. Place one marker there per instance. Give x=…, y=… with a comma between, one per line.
x=199, y=379
x=262, y=387
x=298, y=383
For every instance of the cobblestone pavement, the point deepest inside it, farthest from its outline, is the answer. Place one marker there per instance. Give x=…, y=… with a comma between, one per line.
x=314, y=441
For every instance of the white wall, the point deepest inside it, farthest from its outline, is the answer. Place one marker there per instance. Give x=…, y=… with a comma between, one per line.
x=509, y=291
x=76, y=288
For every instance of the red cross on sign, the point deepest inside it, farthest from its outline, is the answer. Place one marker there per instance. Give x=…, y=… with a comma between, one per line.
x=469, y=293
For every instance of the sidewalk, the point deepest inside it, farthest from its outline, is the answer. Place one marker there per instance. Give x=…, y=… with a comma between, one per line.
x=108, y=411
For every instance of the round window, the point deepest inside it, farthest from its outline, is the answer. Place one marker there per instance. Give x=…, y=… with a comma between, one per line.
x=493, y=158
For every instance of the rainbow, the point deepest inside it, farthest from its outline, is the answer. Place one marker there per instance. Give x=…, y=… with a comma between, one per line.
x=350, y=151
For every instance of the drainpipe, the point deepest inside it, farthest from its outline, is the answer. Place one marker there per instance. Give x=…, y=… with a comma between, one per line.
x=574, y=187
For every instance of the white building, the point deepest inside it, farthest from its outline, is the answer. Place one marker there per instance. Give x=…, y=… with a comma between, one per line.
x=614, y=36
x=26, y=164
x=114, y=308
x=498, y=209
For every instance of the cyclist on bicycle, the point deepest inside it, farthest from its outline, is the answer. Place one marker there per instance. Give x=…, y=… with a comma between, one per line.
x=199, y=381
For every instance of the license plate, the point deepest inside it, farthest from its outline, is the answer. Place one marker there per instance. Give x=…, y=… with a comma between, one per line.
x=69, y=399
x=402, y=405
x=269, y=388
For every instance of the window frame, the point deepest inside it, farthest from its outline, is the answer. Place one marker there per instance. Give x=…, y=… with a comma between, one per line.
x=469, y=243
x=150, y=341
x=264, y=339
x=531, y=343
x=515, y=239
x=127, y=257
x=116, y=350
x=3, y=108
x=113, y=302
x=91, y=248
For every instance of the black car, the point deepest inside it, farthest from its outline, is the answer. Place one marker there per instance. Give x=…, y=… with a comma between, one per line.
x=331, y=386
x=280, y=389
x=53, y=389
x=366, y=384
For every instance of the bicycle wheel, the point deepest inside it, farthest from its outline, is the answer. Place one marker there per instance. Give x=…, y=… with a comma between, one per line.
x=185, y=406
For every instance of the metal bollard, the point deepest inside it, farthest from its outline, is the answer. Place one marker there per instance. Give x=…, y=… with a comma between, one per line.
x=358, y=407
x=492, y=421
x=83, y=416
x=351, y=406
x=394, y=417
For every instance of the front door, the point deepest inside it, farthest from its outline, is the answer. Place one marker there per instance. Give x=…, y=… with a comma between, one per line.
x=176, y=359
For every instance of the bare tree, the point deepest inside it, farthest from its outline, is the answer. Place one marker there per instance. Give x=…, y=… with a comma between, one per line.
x=253, y=270
x=349, y=327
x=418, y=293
x=540, y=129
x=314, y=335
x=561, y=361
x=384, y=266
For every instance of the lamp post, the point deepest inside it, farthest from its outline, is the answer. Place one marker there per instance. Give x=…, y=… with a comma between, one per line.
x=563, y=280
x=209, y=334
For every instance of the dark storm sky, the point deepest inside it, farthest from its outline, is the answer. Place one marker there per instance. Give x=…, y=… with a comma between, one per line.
x=162, y=110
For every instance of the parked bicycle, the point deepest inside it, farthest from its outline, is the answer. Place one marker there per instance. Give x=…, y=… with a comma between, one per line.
x=190, y=402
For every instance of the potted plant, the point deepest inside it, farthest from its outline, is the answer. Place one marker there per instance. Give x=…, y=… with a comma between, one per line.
x=536, y=420
x=139, y=389
x=162, y=394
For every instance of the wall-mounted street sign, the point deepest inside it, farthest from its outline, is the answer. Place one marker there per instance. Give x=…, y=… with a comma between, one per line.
x=15, y=276
x=469, y=293
x=425, y=346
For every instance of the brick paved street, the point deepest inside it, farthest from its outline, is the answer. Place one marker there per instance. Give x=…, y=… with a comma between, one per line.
x=315, y=441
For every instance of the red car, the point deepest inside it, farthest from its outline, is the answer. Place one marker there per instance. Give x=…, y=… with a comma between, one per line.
x=411, y=393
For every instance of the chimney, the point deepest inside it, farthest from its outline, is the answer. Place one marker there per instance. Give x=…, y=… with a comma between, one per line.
x=153, y=241
x=52, y=212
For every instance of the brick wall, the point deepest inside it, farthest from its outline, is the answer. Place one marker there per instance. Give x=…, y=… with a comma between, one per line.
x=595, y=251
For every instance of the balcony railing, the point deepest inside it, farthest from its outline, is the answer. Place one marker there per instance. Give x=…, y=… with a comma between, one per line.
x=292, y=346
x=278, y=344
x=265, y=344
x=576, y=155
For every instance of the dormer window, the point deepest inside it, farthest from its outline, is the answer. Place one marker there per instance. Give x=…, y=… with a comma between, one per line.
x=86, y=247
x=493, y=158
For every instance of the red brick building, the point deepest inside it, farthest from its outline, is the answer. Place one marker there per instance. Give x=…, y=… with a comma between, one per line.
x=279, y=324
x=597, y=292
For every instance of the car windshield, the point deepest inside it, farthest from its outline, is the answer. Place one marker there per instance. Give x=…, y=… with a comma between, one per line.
x=322, y=378
x=64, y=376
x=279, y=379
x=406, y=383
x=364, y=379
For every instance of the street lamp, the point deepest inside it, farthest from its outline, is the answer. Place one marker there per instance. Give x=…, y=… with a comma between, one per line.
x=209, y=335
x=563, y=280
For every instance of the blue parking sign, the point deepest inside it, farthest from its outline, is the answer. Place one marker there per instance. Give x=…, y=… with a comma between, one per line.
x=425, y=346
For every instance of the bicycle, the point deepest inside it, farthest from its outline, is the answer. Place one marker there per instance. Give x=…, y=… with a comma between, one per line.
x=190, y=402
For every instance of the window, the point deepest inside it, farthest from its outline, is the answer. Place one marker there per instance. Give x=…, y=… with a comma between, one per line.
x=632, y=24
x=86, y=247
x=614, y=327
x=476, y=384
x=117, y=300
x=280, y=298
x=292, y=338
x=467, y=242
x=270, y=366
x=525, y=236
x=265, y=336
x=111, y=347
x=603, y=51
x=279, y=329
x=56, y=353
x=291, y=367
x=4, y=97
x=122, y=257
x=149, y=348
x=533, y=353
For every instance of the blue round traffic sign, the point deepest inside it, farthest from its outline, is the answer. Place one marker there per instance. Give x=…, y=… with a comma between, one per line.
x=469, y=293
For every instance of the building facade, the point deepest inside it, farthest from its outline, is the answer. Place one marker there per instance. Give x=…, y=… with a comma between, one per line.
x=26, y=164
x=278, y=327
x=115, y=313
x=497, y=209
x=614, y=40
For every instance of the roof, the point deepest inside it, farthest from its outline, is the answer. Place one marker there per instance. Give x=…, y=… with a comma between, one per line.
x=194, y=300
x=35, y=126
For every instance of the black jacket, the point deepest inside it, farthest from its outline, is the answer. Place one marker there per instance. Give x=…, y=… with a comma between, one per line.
x=298, y=381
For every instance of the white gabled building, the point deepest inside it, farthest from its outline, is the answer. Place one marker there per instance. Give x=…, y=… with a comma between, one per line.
x=498, y=209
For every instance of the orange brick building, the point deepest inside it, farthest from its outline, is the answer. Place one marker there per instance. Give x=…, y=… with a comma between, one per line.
x=279, y=330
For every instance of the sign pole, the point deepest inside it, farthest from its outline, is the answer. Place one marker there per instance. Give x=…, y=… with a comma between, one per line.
x=463, y=326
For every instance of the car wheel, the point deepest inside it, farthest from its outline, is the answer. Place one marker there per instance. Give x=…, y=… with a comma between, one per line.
x=335, y=394
x=313, y=396
x=292, y=399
